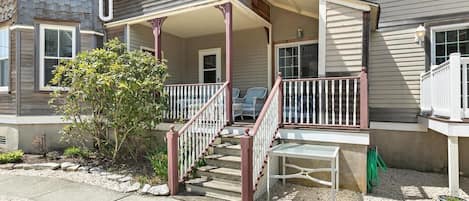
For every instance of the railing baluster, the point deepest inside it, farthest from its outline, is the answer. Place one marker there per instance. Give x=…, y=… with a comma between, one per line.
x=314, y=101
x=333, y=101
x=307, y=103
x=327, y=102
x=340, y=102
x=347, y=120
x=355, y=91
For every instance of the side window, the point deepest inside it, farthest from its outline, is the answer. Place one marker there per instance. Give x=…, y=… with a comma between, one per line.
x=57, y=43
x=4, y=58
x=446, y=42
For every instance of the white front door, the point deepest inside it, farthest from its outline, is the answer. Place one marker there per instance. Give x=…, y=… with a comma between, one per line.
x=210, y=65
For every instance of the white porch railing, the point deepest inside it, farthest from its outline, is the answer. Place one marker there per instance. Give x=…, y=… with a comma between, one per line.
x=444, y=89
x=265, y=129
x=330, y=101
x=184, y=100
x=195, y=137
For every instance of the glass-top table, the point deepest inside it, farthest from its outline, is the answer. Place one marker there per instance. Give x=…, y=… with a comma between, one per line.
x=306, y=151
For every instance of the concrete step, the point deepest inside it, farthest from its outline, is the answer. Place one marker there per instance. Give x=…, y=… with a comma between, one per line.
x=227, y=149
x=218, y=189
x=220, y=173
x=230, y=138
x=225, y=161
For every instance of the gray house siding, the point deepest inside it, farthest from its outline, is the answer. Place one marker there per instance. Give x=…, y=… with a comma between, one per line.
x=344, y=39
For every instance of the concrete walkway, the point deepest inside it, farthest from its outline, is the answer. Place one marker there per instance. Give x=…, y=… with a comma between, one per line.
x=49, y=189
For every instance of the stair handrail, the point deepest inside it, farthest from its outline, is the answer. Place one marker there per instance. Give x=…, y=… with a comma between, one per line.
x=189, y=144
x=255, y=144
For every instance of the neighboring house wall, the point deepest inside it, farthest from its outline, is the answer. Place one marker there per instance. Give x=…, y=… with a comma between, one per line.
x=396, y=62
x=81, y=14
x=344, y=39
x=403, y=12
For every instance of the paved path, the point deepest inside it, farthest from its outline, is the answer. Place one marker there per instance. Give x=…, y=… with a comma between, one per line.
x=50, y=189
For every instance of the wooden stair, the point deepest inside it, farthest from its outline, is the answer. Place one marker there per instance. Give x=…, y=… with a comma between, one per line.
x=220, y=178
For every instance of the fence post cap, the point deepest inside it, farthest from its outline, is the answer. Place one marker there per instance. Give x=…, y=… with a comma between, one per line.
x=171, y=128
x=246, y=132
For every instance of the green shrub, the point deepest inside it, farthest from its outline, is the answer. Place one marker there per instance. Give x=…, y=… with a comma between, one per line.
x=11, y=157
x=76, y=152
x=159, y=162
x=120, y=92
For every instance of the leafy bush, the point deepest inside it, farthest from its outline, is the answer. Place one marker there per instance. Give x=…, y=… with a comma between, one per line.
x=11, y=157
x=159, y=162
x=113, y=95
x=76, y=152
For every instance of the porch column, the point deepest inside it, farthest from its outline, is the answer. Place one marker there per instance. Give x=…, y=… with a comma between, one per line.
x=453, y=165
x=227, y=13
x=157, y=25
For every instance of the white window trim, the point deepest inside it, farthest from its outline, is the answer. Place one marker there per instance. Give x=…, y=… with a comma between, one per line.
x=202, y=53
x=6, y=88
x=435, y=29
x=292, y=44
x=42, y=27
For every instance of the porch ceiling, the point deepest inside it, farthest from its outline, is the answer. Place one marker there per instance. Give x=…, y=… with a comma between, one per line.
x=207, y=21
x=308, y=8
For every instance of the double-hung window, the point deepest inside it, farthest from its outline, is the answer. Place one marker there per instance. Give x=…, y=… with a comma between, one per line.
x=56, y=43
x=4, y=61
x=297, y=60
x=449, y=40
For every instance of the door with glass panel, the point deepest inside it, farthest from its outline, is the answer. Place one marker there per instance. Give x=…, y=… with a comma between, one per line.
x=210, y=65
x=298, y=61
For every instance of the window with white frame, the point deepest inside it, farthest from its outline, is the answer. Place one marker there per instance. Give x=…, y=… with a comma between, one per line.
x=297, y=60
x=447, y=40
x=4, y=52
x=57, y=43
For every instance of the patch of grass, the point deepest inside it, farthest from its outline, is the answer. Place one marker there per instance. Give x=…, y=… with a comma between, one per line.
x=76, y=152
x=11, y=157
x=148, y=180
x=159, y=162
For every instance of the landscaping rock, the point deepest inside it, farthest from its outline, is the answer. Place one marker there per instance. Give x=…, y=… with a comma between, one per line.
x=8, y=166
x=84, y=169
x=105, y=174
x=159, y=190
x=127, y=187
x=145, y=189
x=72, y=168
x=65, y=165
x=46, y=166
x=53, y=155
x=23, y=166
x=125, y=179
x=115, y=177
x=96, y=170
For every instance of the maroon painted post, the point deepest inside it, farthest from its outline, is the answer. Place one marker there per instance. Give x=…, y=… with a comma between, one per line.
x=228, y=15
x=157, y=24
x=363, y=100
x=247, y=189
x=173, y=176
x=280, y=100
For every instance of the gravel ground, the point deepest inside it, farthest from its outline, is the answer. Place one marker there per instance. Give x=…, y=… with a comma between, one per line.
x=395, y=185
x=9, y=198
x=80, y=177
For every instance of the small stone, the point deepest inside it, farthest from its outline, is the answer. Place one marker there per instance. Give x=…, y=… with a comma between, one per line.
x=159, y=190
x=8, y=166
x=125, y=179
x=46, y=166
x=84, y=169
x=145, y=189
x=114, y=177
x=105, y=174
x=95, y=170
x=65, y=165
x=72, y=168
